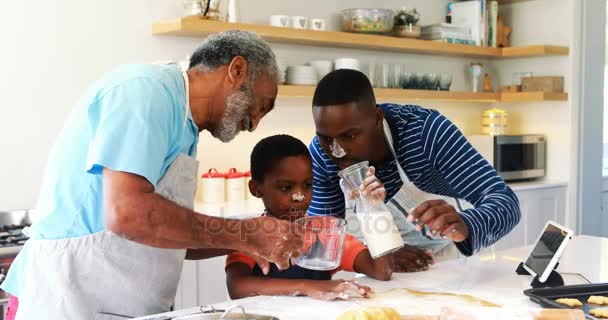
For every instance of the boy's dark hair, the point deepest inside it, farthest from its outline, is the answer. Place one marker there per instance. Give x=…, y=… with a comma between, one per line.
x=344, y=86
x=269, y=151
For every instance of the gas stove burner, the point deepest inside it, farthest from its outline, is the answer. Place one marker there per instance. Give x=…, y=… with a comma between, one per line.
x=12, y=238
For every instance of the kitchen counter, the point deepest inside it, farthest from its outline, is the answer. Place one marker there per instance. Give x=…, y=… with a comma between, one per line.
x=534, y=185
x=489, y=276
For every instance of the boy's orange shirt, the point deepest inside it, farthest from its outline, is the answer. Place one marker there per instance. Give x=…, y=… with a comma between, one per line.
x=352, y=248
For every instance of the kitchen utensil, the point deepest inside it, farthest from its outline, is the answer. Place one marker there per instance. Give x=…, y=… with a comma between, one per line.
x=445, y=81
x=210, y=313
x=322, y=67
x=323, y=241
x=279, y=20
x=367, y=20
x=318, y=24
x=347, y=63
x=375, y=220
x=546, y=297
x=299, y=22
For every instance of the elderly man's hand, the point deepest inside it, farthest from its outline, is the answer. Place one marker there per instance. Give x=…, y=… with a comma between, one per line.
x=412, y=259
x=441, y=218
x=273, y=240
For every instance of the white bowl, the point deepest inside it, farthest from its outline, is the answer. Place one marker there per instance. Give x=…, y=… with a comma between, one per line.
x=322, y=67
x=347, y=63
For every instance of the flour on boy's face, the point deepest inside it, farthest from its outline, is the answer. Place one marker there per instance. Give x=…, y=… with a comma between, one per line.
x=287, y=188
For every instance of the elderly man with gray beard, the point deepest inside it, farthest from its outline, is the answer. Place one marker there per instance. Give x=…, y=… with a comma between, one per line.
x=116, y=205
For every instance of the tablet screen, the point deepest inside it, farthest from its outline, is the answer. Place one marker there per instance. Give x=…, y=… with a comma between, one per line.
x=545, y=249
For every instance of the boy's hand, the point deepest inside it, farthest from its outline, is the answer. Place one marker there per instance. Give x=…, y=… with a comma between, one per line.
x=338, y=290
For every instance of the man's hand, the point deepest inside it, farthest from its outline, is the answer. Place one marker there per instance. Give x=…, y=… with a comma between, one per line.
x=372, y=186
x=412, y=259
x=273, y=240
x=441, y=218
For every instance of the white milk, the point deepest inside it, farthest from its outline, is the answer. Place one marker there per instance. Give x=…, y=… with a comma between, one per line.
x=380, y=232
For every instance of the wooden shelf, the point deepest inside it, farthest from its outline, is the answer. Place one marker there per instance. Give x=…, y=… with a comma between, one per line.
x=384, y=95
x=532, y=96
x=196, y=27
x=511, y=1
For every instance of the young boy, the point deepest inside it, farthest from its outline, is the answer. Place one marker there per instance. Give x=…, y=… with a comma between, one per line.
x=281, y=175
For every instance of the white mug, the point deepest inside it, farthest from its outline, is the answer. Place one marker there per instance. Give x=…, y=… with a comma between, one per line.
x=279, y=20
x=299, y=22
x=317, y=24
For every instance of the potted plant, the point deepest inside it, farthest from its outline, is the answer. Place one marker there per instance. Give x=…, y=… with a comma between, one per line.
x=406, y=23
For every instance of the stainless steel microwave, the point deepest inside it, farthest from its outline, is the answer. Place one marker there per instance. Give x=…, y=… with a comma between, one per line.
x=515, y=157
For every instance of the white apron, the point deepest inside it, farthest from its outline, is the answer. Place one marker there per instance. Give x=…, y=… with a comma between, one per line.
x=103, y=276
x=408, y=198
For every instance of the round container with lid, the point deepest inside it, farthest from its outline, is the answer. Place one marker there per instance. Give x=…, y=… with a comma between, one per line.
x=248, y=194
x=214, y=184
x=494, y=122
x=235, y=185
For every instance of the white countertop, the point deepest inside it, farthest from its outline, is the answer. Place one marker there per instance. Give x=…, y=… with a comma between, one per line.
x=532, y=185
x=489, y=276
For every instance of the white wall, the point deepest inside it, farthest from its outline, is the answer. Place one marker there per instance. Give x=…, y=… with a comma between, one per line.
x=52, y=50
x=534, y=22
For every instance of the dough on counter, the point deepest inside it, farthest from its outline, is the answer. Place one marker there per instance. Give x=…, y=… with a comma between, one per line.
x=570, y=302
x=598, y=300
x=371, y=313
x=600, y=312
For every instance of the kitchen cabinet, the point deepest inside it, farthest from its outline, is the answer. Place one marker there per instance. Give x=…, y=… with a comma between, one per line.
x=202, y=282
x=538, y=205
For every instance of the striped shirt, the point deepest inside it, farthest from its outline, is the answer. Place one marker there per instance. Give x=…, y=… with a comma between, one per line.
x=438, y=159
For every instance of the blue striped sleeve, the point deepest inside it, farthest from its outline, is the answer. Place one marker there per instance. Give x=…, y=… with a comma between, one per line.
x=472, y=178
x=327, y=198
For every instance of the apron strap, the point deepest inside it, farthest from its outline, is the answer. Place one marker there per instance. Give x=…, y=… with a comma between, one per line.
x=187, y=86
x=389, y=139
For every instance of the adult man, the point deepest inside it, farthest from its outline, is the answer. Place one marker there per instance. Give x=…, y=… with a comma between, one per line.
x=423, y=161
x=119, y=188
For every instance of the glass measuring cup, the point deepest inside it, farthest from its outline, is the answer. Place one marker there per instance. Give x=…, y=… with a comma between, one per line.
x=323, y=242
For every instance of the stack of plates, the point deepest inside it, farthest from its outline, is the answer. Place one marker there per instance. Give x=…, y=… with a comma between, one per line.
x=302, y=75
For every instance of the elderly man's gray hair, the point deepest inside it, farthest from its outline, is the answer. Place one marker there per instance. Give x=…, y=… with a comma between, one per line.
x=219, y=49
